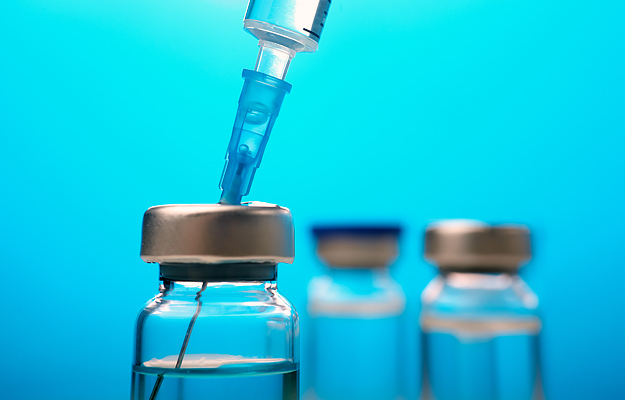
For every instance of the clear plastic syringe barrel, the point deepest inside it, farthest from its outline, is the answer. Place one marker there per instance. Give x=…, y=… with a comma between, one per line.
x=258, y=109
x=284, y=28
x=296, y=24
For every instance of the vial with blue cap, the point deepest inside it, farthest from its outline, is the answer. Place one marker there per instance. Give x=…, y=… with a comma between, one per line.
x=355, y=314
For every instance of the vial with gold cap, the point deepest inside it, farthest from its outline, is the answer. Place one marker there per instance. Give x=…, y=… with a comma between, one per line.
x=479, y=319
x=355, y=314
x=218, y=328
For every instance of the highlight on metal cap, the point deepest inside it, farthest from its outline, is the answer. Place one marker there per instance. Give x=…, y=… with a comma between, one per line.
x=475, y=245
x=217, y=234
x=357, y=246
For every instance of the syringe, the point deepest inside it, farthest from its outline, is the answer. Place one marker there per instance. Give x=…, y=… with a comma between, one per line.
x=283, y=28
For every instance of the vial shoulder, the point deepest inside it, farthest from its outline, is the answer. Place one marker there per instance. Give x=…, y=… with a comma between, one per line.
x=324, y=288
x=329, y=297
x=479, y=293
x=257, y=302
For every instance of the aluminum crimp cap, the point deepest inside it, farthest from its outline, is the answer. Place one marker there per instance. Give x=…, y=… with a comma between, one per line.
x=215, y=234
x=349, y=246
x=469, y=244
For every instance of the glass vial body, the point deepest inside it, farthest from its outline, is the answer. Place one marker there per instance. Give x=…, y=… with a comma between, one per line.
x=479, y=321
x=480, y=337
x=238, y=340
x=355, y=321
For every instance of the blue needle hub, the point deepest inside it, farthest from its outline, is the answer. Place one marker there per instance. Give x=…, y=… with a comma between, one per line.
x=259, y=105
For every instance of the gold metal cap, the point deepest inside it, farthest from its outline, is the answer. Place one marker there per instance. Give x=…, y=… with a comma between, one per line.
x=357, y=246
x=215, y=234
x=469, y=244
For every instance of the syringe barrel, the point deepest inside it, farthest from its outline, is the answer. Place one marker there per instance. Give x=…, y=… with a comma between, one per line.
x=296, y=24
x=259, y=105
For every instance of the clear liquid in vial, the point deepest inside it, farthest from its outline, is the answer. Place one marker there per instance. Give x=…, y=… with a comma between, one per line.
x=481, y=360
x=217, y=378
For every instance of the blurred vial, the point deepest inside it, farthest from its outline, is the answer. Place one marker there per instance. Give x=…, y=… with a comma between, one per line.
x=479, y=321
x=355, y=315
x=218, y=328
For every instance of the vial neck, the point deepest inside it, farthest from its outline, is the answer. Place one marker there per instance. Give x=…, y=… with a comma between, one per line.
x=493, y=280
x=226, y=272
x=485, y=271
x=233, y=285
x=174, y=288
x=362, y=276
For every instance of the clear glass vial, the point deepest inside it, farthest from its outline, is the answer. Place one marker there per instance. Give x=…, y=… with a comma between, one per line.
x=479, y=321
x=355, y=314
x=218, y=328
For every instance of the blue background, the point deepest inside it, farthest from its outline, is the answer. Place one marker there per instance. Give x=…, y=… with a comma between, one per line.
x=506, y=111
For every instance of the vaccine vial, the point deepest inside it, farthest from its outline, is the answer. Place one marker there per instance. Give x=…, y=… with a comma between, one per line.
x=354, y=312
x=218, y=328
x=478, y=319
